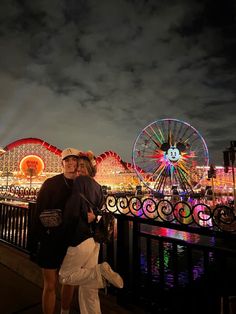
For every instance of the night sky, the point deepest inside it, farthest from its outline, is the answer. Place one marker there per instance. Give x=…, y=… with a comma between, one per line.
x=92, y=74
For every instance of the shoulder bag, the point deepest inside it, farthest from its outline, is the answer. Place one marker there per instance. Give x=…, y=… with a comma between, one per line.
x=51, y=218
x=104, y=225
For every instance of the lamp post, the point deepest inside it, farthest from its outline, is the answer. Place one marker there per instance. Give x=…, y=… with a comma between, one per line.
x=6, y=173
x=212, y=175
x=229, y=157
x=31, y=173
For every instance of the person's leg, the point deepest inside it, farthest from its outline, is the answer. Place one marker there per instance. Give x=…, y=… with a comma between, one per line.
x=66, y=298
x=67, y=291
x=50, y=277
x=73, y=272
x=89, y=302
x=105, y=271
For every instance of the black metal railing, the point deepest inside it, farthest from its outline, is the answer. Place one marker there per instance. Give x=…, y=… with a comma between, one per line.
x=190, y=216
x=159, y=264
x=14, y=225
x=162, y=250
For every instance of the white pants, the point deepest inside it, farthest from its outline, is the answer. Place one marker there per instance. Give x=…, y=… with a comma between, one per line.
x=81, y=264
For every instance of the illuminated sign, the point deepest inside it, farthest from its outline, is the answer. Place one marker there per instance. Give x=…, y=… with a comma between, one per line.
x=31, y=166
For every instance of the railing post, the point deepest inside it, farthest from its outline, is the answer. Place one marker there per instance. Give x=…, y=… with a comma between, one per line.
x=30, y=235
x=123, y=258
x=136, y=263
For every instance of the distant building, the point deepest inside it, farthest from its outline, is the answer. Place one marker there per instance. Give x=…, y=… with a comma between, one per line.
x=29, y=161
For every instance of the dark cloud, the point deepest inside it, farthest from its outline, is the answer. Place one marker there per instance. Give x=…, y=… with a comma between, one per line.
x=93, y=74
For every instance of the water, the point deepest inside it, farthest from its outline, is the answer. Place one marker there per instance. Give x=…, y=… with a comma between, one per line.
x=176, y=258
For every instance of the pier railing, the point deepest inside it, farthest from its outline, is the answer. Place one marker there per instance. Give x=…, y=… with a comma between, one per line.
x=172, y=271
x=171, y=256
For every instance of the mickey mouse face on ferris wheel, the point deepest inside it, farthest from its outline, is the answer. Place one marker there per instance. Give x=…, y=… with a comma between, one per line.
x=173, y=153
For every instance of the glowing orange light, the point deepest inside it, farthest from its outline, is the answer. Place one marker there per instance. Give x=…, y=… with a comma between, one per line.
x=31, y=165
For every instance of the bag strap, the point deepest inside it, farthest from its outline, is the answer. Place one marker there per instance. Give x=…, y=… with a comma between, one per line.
x=90, y=203
x=85, y=198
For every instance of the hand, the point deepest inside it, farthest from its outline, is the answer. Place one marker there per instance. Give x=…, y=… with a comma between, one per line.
x=91, y=217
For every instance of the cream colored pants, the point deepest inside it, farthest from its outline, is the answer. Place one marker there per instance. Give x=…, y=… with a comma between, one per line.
x=81, y=264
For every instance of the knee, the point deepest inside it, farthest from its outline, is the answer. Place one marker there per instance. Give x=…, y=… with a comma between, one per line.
x=50, y=285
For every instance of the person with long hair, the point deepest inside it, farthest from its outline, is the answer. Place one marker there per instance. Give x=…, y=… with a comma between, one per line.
x=80, y=266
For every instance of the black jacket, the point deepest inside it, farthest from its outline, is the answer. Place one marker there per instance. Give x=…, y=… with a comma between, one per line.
x=53, y=194
x=77, y=228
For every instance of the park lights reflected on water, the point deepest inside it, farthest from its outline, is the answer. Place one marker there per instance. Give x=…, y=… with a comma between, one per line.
x=173, y=255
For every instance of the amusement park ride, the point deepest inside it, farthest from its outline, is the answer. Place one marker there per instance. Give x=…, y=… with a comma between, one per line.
x=169, y=157
x=167, y=179
x=166, y=155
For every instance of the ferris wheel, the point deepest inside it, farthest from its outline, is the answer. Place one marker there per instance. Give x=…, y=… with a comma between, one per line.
x=170, y=153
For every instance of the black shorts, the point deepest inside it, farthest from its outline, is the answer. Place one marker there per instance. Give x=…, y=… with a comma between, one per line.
x=51, y=250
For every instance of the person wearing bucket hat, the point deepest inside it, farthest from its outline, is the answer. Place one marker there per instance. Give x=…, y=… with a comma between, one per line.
x=50, y=247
